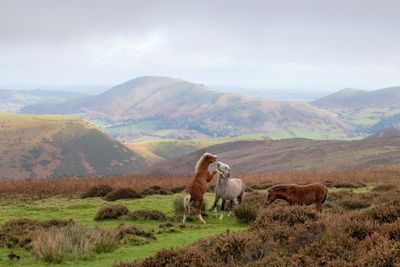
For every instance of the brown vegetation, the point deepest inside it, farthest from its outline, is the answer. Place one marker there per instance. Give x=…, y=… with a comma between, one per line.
x=79, y=185
x=122, y=193
x=347, y=233
x=147, y=215
x=111, y=212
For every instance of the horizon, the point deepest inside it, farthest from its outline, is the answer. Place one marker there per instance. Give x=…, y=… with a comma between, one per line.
x=303, y=45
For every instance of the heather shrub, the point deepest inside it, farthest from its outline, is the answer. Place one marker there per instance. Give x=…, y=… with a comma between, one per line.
x=97, y=191
x=122, y=193
x=245, y=213
x=72, y=242
x=354, y=204
x=377, y=250
x=147, y=215
x=262, y=185
x=306, y=236
x=360, y=229
x=384, y=187
x=111, y=212
x=290, y=215
x=392, y=230
x=177, y=189
x=156, y=190
x=384, y=213
x=173, y=257
x=124, y=230
x=346, y=184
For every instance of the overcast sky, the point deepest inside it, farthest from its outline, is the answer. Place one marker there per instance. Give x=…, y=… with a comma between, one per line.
x=298, y=44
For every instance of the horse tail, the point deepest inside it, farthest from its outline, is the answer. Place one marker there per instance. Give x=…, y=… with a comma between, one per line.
x=186, y=202
x=326, y=194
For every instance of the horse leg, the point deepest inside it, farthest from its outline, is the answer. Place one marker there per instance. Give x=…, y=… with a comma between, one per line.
x=222, y=209
x=232, y=205
x=214, y=207
x=198, y=210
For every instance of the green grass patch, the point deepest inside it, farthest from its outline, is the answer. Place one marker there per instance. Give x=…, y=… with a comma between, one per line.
x=83, y=212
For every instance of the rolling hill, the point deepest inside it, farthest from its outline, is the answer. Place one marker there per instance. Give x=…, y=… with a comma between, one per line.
x=290, y=155
x=171, y=108
x=48, y=146
x=159, y=150
x=351, y=99
x=368, y=111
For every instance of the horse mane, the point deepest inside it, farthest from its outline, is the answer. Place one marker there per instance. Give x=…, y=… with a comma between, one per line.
x=200, y=161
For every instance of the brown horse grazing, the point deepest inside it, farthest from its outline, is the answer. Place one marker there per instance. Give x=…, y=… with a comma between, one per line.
x=198, y=186
x=314, y=193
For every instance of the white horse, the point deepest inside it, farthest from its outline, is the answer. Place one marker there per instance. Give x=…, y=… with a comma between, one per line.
x=227, y=188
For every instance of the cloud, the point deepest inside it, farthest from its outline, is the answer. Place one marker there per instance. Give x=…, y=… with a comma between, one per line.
x=271, y=44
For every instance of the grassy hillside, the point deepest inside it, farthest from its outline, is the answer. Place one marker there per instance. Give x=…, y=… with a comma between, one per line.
x=84, y=210
x=172, y=108
x=367, y=111
x=41, y=146
x=290, y=154
x=158, y=150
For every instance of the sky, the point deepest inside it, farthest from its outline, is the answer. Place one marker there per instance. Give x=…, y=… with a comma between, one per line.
x=319, y=45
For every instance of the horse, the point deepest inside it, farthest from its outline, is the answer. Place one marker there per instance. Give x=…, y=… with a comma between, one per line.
x=227, y=188
x=198, y=186
x=294, y=194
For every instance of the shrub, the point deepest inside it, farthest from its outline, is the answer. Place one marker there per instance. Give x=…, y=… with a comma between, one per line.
x=72, y=242
x=262, y=185
x=245, y=213
x=122, y=193
x=354, y=204
x=384, y=213
x=124, y=230
x=290, y=215
x=177, y=189
x=306, y=237
x=111, y=212
x=360, y=229
x=147, y=215
x=384, y=187
x=346, y=184
x=19, y=232
x=156, y=190
x=97, y=191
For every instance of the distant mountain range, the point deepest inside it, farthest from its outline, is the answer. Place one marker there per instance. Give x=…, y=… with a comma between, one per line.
x=16, y=100
x=48, y=146
x=368, y=111
x=165, y=107
x=291, y=155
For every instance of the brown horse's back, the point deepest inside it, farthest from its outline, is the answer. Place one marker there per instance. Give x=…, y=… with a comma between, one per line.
x=309, y=194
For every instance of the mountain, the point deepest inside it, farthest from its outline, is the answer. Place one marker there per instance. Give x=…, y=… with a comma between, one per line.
x=15, y=100
x=289, y=155
x=388, y=133
x=48, y=146
x=348, y=99
x=171, y=108
x=367, y=111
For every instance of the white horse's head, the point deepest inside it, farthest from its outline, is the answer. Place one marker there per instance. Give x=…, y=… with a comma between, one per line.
x=223, y=169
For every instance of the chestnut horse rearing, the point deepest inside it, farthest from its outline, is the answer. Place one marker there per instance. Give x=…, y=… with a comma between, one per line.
x=198, y=186
x=294, y=194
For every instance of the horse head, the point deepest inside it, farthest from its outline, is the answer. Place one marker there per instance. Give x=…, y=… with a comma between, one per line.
x=223, y=169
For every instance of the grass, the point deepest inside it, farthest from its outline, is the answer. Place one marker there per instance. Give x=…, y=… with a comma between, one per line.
x=84, y=210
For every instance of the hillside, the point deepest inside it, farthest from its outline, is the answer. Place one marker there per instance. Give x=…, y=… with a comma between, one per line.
x=368, y=111
x=172, y=108
x=44, y=146
x=356, y=99
x=17, y=100
x=290, y=155
x=159, y=150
